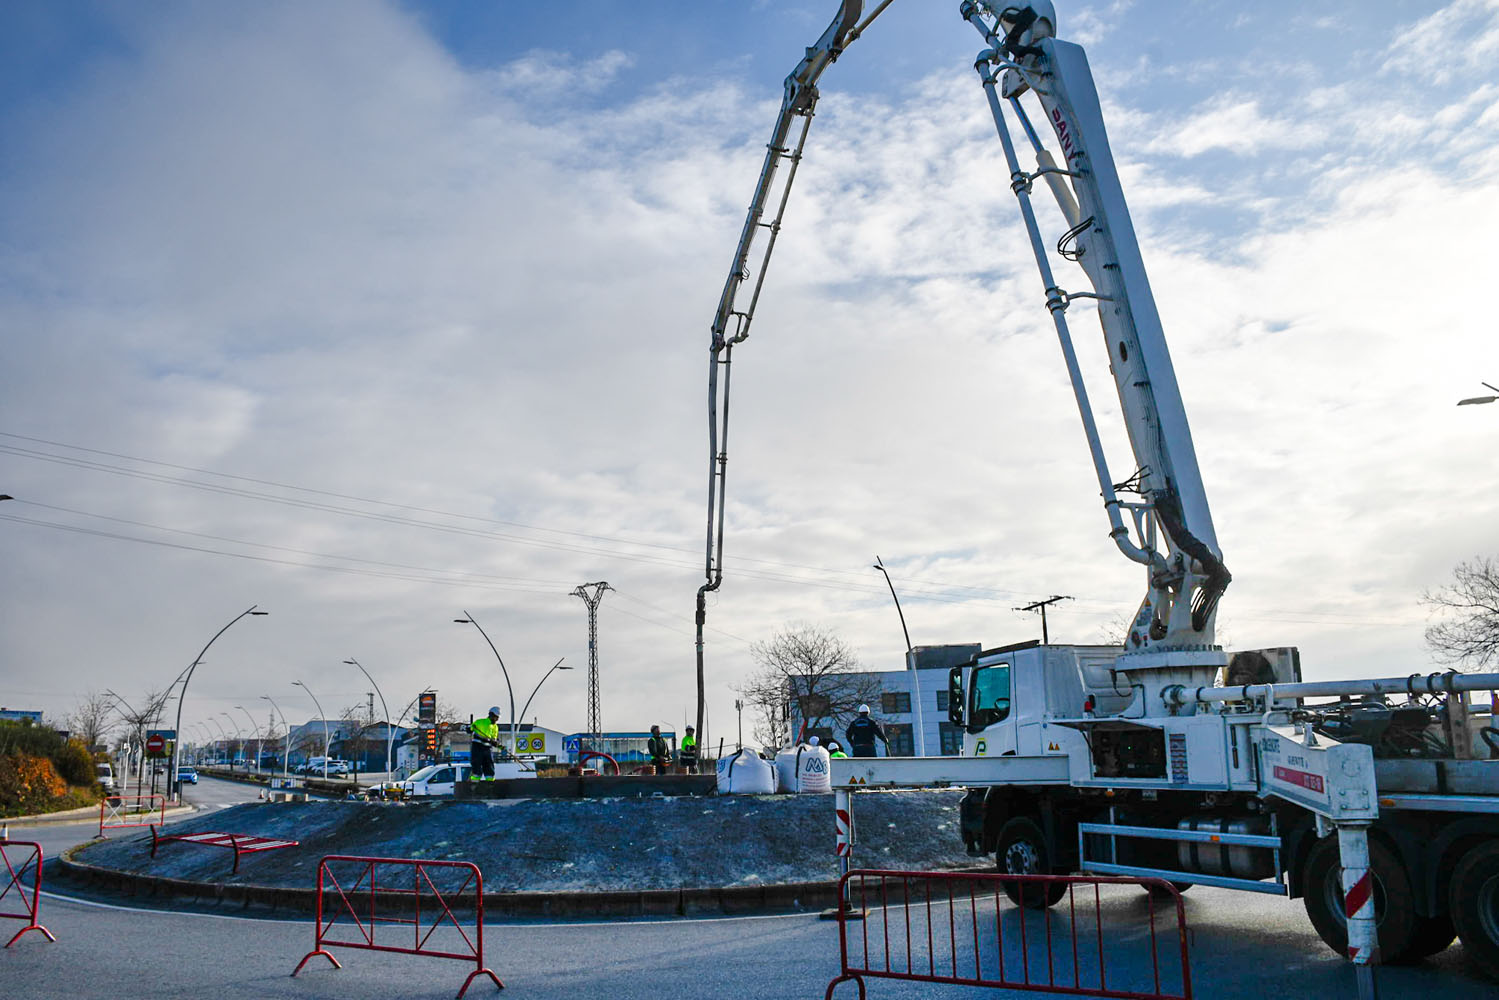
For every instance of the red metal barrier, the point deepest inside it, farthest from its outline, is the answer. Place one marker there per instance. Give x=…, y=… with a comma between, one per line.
x=15, y=879
x=430, y=886
x=965, y=929
x=117, y=812
x=588, y=755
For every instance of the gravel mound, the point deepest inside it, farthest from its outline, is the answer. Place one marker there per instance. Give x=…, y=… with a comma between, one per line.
x=570, y=845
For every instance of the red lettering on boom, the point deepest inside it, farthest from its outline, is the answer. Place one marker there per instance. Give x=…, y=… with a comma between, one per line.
x=1064, y=134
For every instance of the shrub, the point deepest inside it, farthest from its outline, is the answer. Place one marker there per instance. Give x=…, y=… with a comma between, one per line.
x=75, y=764
x=28, y=783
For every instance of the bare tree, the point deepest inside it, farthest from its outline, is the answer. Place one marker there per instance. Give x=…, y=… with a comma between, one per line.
x=808, y=671
x=1468, y=632
x=145, y=714
x=92, y=721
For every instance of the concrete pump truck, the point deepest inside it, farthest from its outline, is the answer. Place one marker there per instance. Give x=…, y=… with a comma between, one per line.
x=1370, y=799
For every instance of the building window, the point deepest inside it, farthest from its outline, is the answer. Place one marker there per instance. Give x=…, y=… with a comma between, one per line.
x=895, y=702
x=952, y=739
x=941, y=701
x=901, y=742
x=823, y=734
x=814, y=706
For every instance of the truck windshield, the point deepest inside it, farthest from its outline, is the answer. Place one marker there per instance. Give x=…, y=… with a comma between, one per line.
x=989, y=696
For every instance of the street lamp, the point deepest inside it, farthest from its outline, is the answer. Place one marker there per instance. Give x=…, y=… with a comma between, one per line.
x=182, y=695
x=255, y=731
x=286, y=745
x=910, y=663
x=326, y=740
x=556, y=666
x=1460, y=402
x=239, y=736
x=468, y=619
x=389, y=737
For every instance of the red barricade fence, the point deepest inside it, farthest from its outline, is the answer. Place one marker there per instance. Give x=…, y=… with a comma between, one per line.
x=420, y=895
x=969, y=929
x=19, y=857
x=117, y=812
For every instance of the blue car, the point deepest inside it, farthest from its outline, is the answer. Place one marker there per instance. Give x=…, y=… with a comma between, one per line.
x=187, y=775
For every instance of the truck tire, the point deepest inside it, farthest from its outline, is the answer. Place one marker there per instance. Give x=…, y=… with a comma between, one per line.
x=1474, y=900
x=1394, y=901
x=1022, y=850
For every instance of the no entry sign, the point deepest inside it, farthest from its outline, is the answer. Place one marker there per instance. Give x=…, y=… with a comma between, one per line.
x=156, y=745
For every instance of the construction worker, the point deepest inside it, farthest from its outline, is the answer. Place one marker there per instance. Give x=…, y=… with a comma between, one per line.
x=657, y=749
x=834, y=750
x=486, y=734
x=689, y=752
x=862, y=733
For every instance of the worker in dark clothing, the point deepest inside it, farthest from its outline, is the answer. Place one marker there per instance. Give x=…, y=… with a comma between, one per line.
x=659, y=753
x=862, y=733
x=689, y=751
x=486, y=734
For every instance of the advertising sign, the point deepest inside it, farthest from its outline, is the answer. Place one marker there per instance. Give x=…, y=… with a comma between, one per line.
x=426, y=707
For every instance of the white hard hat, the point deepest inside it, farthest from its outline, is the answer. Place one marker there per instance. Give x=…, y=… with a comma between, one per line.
x=814, y=741
x=494, y=710
x=863, y=709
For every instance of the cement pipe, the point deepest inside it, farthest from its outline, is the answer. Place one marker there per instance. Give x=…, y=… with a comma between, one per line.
x=1445, y=682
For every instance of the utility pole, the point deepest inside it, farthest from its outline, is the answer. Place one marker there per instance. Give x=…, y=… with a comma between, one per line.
x=592, y=599
x=1041, y=607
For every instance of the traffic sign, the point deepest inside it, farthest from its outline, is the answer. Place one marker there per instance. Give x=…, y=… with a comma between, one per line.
x=156, y=745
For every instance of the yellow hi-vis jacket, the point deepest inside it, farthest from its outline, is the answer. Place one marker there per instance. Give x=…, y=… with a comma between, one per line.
x=486, y=729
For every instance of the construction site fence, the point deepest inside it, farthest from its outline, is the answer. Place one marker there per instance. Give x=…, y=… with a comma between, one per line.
x=20, y=859
x=996, y=931
x=401, y=906
x=118, y=812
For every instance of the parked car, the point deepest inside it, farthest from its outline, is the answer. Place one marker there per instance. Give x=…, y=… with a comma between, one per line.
x=338, y=767
x=187, y=775
x=105, y=775
x=434, y=779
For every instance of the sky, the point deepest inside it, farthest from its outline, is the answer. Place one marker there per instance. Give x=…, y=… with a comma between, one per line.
x=373, y=314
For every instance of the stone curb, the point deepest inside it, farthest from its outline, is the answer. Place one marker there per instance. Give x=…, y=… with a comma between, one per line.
x=793, y=897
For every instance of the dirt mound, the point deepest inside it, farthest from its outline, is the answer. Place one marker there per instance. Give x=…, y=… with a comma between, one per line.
x=580, y=845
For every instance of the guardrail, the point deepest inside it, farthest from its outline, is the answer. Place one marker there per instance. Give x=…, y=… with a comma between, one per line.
x=142, y=810
x=968, y=929
x=16, y=879
x=424, y=904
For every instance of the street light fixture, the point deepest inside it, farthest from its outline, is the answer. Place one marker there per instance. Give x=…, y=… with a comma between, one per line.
x=389, y=737
x=910, y=663
x=176, y=788
x=286, y=745
x=1480, y=399
x=556, y=666
x=326, y=739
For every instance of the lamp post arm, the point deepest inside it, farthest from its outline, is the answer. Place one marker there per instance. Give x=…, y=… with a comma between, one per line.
x=176, y=783
x=534, y=690
x=385, y=707
x=509, y=690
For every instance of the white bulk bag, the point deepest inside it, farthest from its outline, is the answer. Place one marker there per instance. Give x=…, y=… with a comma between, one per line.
x=744, y=773
x=813, y=773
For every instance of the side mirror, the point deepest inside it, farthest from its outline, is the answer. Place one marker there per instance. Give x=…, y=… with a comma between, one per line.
x=955, y=696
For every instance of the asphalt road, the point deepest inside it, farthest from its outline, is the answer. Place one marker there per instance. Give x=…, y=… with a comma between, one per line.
x=1241, y=946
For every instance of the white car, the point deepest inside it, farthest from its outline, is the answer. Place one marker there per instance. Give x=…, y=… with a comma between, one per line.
x=435, y=779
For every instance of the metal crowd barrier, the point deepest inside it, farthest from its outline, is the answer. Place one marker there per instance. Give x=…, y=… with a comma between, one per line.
x=414, y=894
x=30, y=860
x=964, y=929
x=117, y=812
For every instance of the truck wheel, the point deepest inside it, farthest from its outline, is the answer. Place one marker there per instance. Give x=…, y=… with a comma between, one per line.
x=1022, y=851
x=1474, y=899
x=1394, y=908
x=1433, y=935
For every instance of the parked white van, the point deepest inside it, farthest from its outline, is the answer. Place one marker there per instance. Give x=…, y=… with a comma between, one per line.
x=105, y=776
x=435, y=779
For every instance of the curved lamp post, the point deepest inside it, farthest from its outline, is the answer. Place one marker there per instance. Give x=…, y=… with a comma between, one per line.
x=239, y=736
x=255, y=727
x=286, y=745
x=324, y=718
x=468, y=619
x=556, y=666
x=910, y=663
x=389, y=738
x=182, y=695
